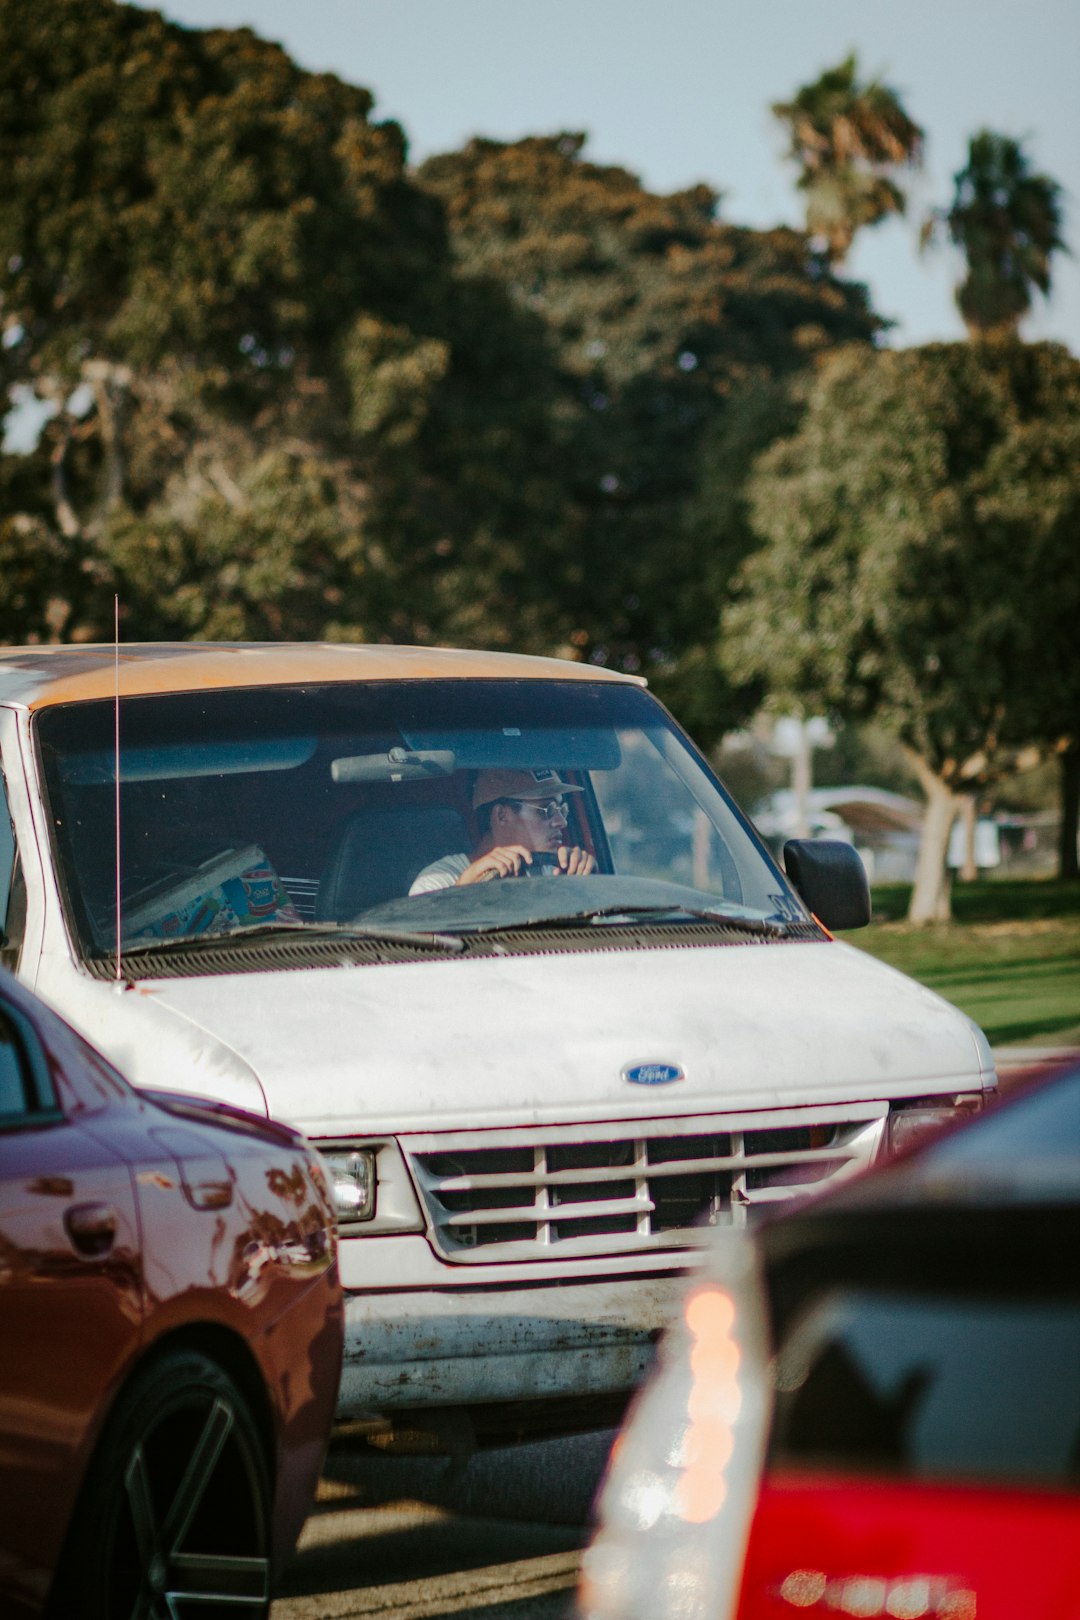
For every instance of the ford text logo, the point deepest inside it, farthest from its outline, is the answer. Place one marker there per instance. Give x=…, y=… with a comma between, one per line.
x=652, y=1074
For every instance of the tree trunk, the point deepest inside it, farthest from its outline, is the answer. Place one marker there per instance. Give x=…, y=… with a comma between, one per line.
x=968, y=870
x=930, y=900
x=111, y=384
x=801, y=778
x=1068, y=861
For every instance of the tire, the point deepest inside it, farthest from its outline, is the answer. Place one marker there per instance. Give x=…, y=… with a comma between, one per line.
x=174, y=1518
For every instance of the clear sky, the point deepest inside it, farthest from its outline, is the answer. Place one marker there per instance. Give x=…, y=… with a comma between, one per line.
x=679, y=91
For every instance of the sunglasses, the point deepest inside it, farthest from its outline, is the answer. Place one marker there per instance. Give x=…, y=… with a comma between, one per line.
x=548, y=810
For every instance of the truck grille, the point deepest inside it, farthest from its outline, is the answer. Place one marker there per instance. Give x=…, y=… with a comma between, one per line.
x=627, y=1187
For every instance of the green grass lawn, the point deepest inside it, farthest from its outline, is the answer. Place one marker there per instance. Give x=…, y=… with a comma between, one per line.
x=1010, y=958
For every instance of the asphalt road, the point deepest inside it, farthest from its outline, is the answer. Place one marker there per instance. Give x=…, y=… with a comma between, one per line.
x=498, y=1536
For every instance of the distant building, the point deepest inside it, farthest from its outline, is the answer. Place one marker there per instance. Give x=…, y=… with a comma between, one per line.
x=884, y=827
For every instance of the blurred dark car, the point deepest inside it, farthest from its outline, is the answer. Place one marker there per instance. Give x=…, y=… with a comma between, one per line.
x=170, y=1338
x=872, y=1407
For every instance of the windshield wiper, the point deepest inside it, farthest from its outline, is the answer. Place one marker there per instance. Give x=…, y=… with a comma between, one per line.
x=613, y=912
x=596, y=901
x=313, y=930
x=772, y=927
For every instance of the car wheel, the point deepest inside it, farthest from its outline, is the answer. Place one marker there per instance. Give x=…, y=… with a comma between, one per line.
x=174, y=1520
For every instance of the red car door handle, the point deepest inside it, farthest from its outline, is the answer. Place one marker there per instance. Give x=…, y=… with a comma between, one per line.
x=91, y=1228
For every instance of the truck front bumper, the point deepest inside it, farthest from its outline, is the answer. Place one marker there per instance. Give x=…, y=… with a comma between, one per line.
x=468, y=1346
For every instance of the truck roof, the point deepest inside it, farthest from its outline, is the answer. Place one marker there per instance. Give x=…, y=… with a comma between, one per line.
x=37, y=677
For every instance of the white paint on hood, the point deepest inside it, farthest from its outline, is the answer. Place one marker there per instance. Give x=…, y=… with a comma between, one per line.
x=543, y=1038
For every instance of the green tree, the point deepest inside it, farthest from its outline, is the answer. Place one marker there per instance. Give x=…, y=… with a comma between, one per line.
x=299, y=391
x=39, y=576
x=179, y=192
x=208, y=258
x=919, y=563
x=1007, y=222
x=848, y=139
x=713, y=537
x=278, y=407
x=663, y=330
x=1033, y=504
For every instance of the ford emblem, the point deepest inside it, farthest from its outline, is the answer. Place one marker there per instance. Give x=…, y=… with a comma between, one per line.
x=652, y=1074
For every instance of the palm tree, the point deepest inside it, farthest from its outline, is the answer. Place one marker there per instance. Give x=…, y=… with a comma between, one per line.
x=1007, y=221
x=847, y=138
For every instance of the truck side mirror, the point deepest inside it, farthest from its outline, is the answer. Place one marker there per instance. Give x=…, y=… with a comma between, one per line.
x=831, y=878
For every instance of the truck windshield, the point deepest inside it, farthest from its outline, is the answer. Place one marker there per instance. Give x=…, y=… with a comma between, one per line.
x=322, y=805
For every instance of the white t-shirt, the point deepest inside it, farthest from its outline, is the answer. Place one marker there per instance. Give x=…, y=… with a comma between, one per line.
x=441, y=874
x=444, y=873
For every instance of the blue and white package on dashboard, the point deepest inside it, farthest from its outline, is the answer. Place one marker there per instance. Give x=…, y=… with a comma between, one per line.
x=232, y=890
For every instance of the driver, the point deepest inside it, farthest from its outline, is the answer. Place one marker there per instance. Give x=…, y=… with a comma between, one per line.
x=519, y=814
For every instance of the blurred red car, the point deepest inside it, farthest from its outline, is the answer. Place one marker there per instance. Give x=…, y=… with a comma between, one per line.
x=170, y=1338
x=871, y=1407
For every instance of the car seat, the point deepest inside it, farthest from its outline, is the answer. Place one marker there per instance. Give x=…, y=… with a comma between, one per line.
x=380, y=852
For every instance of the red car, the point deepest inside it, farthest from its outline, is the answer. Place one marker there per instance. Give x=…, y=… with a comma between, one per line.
x=871, y=1407
x=170, y=1338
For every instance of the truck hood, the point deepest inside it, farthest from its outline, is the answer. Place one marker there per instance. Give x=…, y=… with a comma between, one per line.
x=535, y=1039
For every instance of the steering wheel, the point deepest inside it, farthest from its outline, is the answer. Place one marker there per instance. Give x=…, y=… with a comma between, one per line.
x=542, y=860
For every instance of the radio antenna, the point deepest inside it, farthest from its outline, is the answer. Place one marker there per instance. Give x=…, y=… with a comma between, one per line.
x=116, y=746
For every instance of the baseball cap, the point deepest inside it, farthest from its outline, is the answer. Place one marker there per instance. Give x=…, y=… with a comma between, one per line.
x=543, y=783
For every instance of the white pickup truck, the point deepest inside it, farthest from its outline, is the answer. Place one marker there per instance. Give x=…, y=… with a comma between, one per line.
x=534, y=1098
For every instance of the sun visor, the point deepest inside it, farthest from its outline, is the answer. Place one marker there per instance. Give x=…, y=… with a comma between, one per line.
x=176, y=761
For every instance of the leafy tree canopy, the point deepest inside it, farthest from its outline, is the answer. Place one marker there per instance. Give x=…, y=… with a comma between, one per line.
x=661, y=321
x=215, y=266
x=919, y=557
x=177, y=192
x=509, y=400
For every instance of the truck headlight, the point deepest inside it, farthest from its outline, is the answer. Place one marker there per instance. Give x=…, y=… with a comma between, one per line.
x=353, y=1183
x=910, y=1123
x=371, y=1189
